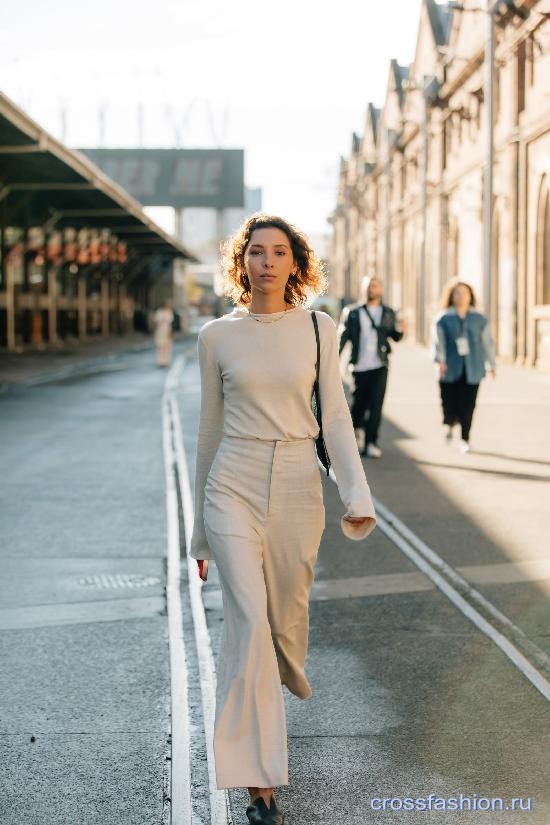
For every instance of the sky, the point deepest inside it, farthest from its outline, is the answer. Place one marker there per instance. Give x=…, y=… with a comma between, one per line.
x=289, y=82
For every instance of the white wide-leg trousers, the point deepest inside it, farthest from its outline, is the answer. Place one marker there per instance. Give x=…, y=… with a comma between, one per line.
x=264, y=517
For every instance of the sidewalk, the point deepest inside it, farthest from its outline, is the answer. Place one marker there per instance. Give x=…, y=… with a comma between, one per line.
x=488, y=509
x=33, y=367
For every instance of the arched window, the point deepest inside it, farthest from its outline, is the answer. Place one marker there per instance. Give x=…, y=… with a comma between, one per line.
x=543, y=245
x=453, y=248
x=546, y=251
x=495, y=277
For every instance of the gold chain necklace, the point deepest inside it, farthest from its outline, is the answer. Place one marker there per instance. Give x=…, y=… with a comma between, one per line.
x=270, y=320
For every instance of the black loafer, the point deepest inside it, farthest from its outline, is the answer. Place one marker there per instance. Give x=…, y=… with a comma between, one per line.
x=259, y=814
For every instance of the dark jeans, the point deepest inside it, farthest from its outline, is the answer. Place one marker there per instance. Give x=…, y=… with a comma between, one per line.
x=368, y=397
x=459, y=400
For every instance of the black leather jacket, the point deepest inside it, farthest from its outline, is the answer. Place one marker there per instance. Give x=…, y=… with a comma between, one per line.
x=349, y=329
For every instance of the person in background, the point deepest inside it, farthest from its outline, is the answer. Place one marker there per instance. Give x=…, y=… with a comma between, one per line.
x=369, y=326
x=164, y=319
x=463, y=347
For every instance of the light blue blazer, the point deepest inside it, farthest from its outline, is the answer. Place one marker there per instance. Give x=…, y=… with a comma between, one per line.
x=475, y=327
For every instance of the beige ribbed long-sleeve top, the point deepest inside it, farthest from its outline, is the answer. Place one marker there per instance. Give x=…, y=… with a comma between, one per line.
x=257, y=380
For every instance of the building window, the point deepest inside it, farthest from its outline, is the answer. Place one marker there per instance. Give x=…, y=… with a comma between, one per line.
x=544, y=249
x=530, y=60
x=496, y=93
x=520, y=77
x=457, y=126
x=472, y=123
x=453, y=246
x=475, y=112
x=449, y=135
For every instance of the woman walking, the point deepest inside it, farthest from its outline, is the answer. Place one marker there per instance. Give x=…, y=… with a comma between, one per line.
x=164, y=318
x=259, y=509
x=463, y=347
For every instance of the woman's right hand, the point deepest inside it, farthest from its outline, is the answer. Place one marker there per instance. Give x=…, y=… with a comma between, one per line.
x=442, y=369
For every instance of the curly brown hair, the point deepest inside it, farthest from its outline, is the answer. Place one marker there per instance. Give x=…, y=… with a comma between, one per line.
x=447, y=297
x=309, y=280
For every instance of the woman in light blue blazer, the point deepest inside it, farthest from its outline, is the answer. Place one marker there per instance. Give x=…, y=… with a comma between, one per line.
x=463, y=349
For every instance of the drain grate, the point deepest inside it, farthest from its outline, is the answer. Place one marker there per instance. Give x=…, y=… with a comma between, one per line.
x=118, y=581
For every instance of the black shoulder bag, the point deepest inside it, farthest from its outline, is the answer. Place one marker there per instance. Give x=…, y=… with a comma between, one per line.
x=316, y=404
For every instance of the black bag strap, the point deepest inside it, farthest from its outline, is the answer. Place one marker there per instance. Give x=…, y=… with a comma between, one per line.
x=371, y=319
x=319, y=441
x=314, y=319
x=316, y=382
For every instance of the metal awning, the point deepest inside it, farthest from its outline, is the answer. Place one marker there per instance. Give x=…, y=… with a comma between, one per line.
x=43, y=183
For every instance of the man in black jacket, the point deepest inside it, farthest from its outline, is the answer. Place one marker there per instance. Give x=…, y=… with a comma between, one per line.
x=369, y=326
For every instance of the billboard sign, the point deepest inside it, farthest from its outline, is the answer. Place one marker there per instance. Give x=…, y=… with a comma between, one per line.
x=176, y=177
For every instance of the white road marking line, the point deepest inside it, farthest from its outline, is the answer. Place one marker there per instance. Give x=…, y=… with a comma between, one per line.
x=389, y=584
x=83, y=612
x=516, y=657
x=511, y=572
x=472, y=594
x=416, y=401
x=180, y=769
x=428, y=561
x=363, y=586
x=220, y=812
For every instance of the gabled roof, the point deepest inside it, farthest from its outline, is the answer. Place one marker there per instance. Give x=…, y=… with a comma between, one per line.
x=400, y=74
x=440, y=21
x=370, y=134
x=373, y=118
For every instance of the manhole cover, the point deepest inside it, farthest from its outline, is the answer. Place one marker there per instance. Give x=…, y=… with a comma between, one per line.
x=117, y=581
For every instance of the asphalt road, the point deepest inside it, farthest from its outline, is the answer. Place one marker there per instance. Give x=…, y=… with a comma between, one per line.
x=84, y=681
x=410, y=698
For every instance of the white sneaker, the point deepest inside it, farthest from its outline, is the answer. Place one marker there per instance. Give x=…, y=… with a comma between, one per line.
x=373, y=451
x=360, y=438
x=448, y=434
x=464, y=446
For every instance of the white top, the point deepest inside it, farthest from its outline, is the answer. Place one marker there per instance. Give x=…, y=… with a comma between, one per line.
x=257, y=380
x=368, y=358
